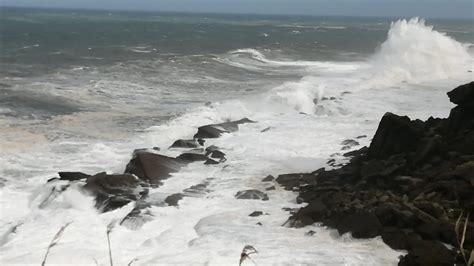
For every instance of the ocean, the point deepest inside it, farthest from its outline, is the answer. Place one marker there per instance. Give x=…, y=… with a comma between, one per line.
x=80, y=90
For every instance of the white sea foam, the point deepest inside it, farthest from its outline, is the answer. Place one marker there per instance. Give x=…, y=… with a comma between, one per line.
x=213, y=228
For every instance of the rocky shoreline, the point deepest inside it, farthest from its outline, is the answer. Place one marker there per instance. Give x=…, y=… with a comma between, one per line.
x=409, y=187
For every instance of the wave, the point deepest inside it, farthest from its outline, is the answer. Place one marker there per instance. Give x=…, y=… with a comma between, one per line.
x=414, y=52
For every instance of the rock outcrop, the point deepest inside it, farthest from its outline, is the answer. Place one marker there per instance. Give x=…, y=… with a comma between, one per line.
x=409, y=187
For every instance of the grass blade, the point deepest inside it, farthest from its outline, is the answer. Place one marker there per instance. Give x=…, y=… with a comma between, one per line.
x=55, y=240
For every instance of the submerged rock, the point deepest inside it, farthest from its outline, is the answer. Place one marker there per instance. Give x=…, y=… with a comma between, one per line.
x=172, y=200
x=251, y=194
x=138, y=216
x=114, y=191
x=216, y=130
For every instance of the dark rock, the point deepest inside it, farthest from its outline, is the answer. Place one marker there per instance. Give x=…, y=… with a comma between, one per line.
x=349, y=143
x=361, y=225
x=270, y=188
x=216, y=130
x=211, y=161
x=138, y=216
x=72, y=176
x=185, y=143
x=361, y=137
x=259, y=223
x=151, y=167
x=269, y=178
x=251, y=194
x=463, y=94
x=218, y=155
x=265, y=129
x=114, y=191
x=256, y=214
x=197, y=190
x=192, y=157
x=395, y=134
x=358, y=152
x=310, y=233
x=172, y=200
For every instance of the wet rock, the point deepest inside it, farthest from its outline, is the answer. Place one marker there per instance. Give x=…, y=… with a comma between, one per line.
x=256, y=214
x=251, y=194
x=172, y=200
x=270, y=188
x=197, y=190
x=151, y=167
x=349, y=143
x=395, y=134
x=310, y=233
x=216, y=130
x=361, y=225
x=268, y=178
x=361, y=137
x=185, y=143
x=72, y=176
x=114, y=191
x=192, y=157
x=218, y=155
x=462, y=95
x=138, y=216
x=211, y=161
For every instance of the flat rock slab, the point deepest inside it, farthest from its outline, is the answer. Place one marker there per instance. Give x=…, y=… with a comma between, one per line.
x=153, y=168
x=72, y=176
x=251, y=194
x=216, y=130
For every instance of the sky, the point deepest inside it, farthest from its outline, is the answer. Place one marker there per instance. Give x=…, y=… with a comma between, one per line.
x=463, y=9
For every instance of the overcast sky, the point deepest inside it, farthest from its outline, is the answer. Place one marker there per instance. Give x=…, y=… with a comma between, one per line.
x=391, y=8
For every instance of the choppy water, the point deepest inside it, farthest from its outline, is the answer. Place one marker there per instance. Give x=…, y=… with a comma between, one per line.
x=80, y=90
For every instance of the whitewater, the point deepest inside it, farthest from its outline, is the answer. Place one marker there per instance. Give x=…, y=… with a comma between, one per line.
x=300, y=126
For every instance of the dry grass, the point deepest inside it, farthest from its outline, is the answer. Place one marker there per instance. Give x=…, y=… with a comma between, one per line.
x=461, y=236
x=55, y=241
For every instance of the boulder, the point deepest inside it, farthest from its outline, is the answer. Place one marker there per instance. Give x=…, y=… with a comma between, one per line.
x=151, y=167
x=361, y=225
x=251, y=194
x=172, y=200
x=395, y=134
x=185, y=143
x=462, y=95
x=256, y=214
x=114, y=191
x=216, y=130
x=72, y=176
x=192, y=157
x=269, y=178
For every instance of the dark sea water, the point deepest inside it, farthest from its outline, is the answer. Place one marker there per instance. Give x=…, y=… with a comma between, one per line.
x=146, y=67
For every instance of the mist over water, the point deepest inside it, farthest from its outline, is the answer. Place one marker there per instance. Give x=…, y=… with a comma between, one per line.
x=79, y=91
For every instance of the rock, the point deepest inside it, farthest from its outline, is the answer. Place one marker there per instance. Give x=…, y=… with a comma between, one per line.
x=427, y=253
x=138, y=216
x=216, y=130
x=251, y=194
x=315, y=211
x=197, y=190
x=270, y=188
x=114, y=191
x=462, y=95
x=211, y=161
x=256, y=214
x=269, y=178
x=361, y=225
x=172, y=200
x=72, y=176
x=310, y=233
x=349, y=143
x=361, y=137
x=218, y=155
x=192, y=157
x=151, y=167
x=395, y=134
x=185, y=143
